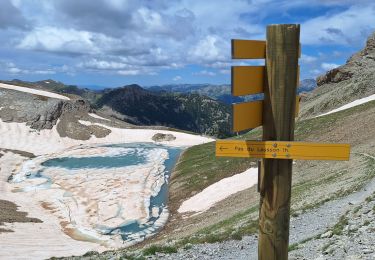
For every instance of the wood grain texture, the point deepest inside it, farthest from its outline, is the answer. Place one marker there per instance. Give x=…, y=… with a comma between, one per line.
x=278, y=124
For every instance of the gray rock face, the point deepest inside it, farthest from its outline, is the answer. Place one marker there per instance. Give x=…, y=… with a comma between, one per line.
x=342, y=85
x=39, y=112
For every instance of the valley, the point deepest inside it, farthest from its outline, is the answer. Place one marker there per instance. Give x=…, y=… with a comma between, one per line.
x=131, y=172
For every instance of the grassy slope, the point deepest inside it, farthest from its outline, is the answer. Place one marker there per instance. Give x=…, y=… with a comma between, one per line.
x=198, y=168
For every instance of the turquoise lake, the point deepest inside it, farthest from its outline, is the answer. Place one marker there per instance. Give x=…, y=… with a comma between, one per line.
x=136, y=155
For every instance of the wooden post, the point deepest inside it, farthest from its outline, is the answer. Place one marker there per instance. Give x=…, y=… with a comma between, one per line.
x=278, y=124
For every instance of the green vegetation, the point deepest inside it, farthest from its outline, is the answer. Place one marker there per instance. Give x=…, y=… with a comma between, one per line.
x=296, y=245
x=340, y=225
x=307, y=127
x=356, y=209
x=234, y=227
x=152, y=250
x=326, y=246
x=293, y=247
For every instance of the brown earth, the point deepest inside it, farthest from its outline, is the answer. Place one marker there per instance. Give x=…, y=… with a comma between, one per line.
x=10, y=214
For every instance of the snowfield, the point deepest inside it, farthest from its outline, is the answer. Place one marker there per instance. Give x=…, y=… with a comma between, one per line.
x=34, y=91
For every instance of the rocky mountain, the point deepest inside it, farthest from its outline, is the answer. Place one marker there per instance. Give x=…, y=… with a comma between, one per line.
x=191, y=112
x=42, y=112
x=59, y=87
x=185, y=111
x=222, y=92
x=351, y=81
x=218, y=92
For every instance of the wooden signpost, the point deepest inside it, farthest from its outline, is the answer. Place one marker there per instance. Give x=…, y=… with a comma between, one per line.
x=278, y=80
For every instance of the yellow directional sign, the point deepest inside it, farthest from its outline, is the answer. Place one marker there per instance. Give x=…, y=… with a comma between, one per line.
x=248, y=49
x=282, y=150
x=248, y=115
x=247, y=80
x=251, y=49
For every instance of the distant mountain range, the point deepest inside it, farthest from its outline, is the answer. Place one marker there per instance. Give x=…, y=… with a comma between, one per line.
x=201, y=108
x=222, y=92
x=138, y=106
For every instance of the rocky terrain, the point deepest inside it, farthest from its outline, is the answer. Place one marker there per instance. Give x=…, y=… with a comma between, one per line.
x=41, y=112
x=349, y=82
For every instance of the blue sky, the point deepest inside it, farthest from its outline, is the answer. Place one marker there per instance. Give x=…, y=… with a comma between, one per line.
x=117, y=42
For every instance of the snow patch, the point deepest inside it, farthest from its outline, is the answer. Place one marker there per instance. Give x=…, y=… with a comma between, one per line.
x=350, y=105
x=34, y=91
x=98, y=117
x=219, y=191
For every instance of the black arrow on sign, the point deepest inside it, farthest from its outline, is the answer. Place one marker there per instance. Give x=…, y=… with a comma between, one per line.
x=223, y=148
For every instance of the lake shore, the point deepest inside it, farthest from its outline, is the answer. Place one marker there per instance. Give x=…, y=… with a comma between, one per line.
x=54, y=237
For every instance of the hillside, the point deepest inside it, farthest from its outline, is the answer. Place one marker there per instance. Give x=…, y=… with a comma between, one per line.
x=349, y=82
x=190, y=112
x=322, y=193
x=58, y=87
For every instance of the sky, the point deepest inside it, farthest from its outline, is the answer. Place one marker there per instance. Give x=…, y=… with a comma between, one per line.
x=112, y=43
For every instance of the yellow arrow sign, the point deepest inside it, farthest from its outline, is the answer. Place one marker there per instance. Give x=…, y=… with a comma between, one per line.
x=248, y=49
x=282, y=150
x=249, y=80
x=248, y=115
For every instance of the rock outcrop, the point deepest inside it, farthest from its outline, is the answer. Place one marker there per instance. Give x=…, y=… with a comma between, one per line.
x=39, y=112
x=351, y=81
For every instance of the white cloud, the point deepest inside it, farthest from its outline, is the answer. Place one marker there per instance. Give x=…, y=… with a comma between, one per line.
x=307, y=58
x=225, y=71
x=177, y=78
x=344, y=28
x=103, y=65
x=329, y=66
x=144, y=37
x=129, y=72
x=63, y=40
x=44, y=72
x=11, y=68
x=211, y=48
x=15, y=70
x=205, y=73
